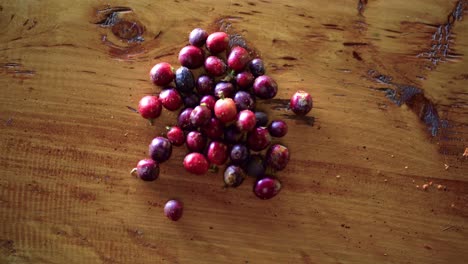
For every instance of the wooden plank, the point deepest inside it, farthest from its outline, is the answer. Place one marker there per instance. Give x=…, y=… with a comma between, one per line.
x=389, y=85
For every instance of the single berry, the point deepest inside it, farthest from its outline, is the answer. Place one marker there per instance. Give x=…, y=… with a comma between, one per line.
x=162, y=74
x=150, y=107
x=217, y=153
x=232, y=134
x=301, y=103
x=238, y=58
x=147, y=170
x=209, y=101
x=200, y=115
x=198, y=37
x=191, y=100
x=205, y=85
x=215, y=66
x=225, y=110
x=170, y=99
x=160, y=149
x=173, y=210
x=244, y=101
x=224, y=89
x=265, y=87
x=196, y=163
x=191, y=57
x=183, y=120
x=277, y=157
x=195, y=141
x=278, y=128
x=246, y=120
x=245, y=80
x=233, y=176
x=176, y=136
x=239, y=154
x=217, y=42
x=213, y=129
x=184, y=80
x=256, y=166
x=267, y=188
x=262, y=118
x=256, y=67
x=258, y=139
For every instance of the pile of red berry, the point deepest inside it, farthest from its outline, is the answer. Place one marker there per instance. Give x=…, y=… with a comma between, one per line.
x=218, y=122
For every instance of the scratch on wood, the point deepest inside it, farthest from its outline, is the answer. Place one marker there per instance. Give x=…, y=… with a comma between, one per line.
x=361, y=6
x=442, y=38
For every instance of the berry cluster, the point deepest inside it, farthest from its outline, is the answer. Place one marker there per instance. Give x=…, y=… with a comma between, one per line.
x=218, y=122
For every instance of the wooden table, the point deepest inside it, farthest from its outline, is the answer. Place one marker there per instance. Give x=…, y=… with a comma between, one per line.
x=378, y=173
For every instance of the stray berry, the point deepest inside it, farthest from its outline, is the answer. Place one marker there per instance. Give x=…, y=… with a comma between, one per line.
x=173, y=210
x=301, y=103
x=278, y=128
x=150, y=107
x=267, y=188
x=160, y=149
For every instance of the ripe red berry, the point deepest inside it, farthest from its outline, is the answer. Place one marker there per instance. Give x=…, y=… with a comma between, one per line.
x=191, y=57
x=256, y=67
x=277, y=157
x=150, y=107
x=225, y=110
x=195, y=141
x=171, y=99
x=162, y=74
x=244, y=101
x=196, y=163
x=176, y=136
x=238, y=58
x=258, y=139
x=217, y=42
x=183, y=120
x=204, y=85
x=147, y=170
x=301, y=103
x=213, y=129
x=215, y=66
x=173, y=209
x=209, y=101
x=224, y=89
x=200, y=115
x=265, y=87
x=217, y=153
x=278, y=128
x=267, y=188
x=246, y=120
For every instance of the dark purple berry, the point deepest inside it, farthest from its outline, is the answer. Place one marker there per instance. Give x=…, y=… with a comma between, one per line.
x=232, y=134
x=278, y=128
x=183, y=120
x=173, y=210
x=265, y=87
x=256, y=166
x=239, y=154
x=256, y=67
x=224, y=89
x=184, y=80
x=205, y=85
x=214, y=129
x=191, y=100
x=233, y=176
x=262, y=118
x=244, y=101
x=198, y=37
x=147, y=170
x=160, y=149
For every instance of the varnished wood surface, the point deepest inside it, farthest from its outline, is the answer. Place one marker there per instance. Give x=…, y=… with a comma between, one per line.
x=350, y=192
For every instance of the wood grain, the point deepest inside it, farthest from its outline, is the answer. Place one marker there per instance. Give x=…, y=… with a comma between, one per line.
x=389, y=82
